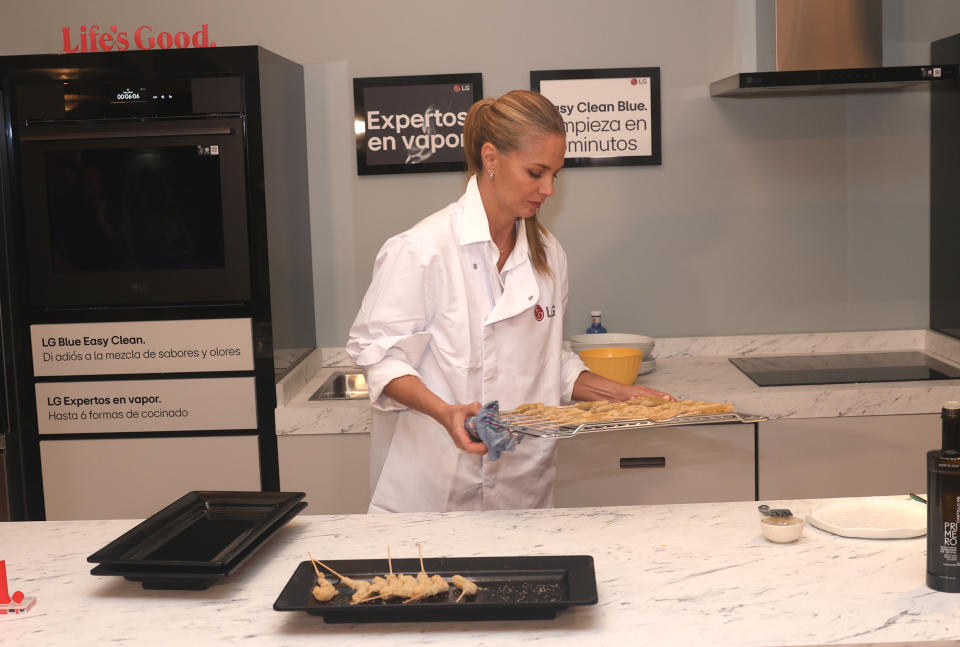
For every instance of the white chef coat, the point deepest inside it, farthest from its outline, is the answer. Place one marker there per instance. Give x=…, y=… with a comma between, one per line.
x=439, y=309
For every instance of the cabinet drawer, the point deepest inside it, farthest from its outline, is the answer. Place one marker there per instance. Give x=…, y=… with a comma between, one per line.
x=840, y=457
x=332, y=469
x=654, y=466
x=132, y=478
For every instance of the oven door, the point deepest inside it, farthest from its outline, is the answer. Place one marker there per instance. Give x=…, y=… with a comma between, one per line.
x=131, y=212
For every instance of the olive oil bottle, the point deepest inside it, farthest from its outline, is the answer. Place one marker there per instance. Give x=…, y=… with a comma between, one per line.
x=943, y=505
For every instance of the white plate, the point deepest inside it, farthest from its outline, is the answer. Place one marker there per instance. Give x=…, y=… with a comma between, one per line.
x=647, y=365
x=610, y=339
x=872, y=518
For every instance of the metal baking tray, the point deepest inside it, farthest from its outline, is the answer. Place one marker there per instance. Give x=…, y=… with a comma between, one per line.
x=530, y=425
x=517, y=588
x=185, y=578
x=201, y=532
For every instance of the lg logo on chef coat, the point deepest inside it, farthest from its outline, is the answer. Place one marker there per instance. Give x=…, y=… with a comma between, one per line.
x=538, y=312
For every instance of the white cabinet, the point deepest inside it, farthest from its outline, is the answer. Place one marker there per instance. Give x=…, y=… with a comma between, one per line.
x=839, y=457
x=131, y=478
x=700, y=463
x=332, y=469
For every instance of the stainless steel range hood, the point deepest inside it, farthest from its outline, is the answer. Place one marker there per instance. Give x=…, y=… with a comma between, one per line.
x=824, y=47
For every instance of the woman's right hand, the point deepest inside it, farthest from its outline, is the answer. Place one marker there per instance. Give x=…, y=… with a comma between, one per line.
x=410, y=391
x=453, y=419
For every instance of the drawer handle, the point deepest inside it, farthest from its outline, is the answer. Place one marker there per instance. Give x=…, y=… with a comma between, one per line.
x=643, y=461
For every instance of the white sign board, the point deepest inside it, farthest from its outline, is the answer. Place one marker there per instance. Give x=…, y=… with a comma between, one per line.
x=123, y=406
x=610, y=116
x=134, y=347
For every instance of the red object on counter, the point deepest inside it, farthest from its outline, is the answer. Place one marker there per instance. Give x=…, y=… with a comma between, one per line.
x=4, y=594
x=17, y=597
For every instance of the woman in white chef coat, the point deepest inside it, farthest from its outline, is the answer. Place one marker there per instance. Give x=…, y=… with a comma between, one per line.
x=467, y=307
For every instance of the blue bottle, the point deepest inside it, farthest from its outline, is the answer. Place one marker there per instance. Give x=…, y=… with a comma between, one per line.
x=595, y=325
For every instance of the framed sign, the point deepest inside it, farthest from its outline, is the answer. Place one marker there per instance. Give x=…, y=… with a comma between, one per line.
x=412, y=124
x=612, y=116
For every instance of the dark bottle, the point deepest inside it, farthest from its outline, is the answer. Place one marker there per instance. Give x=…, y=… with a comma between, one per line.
x=943, y=505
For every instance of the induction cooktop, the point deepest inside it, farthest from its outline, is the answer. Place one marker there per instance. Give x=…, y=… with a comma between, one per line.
x=844, y=368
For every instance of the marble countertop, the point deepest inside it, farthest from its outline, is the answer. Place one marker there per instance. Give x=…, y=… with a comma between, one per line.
x=673, y=574
x=693, y=368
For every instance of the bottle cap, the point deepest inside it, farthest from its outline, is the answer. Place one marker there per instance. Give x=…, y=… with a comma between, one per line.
x=950, y=410
x=950, y=414
x=597, y=313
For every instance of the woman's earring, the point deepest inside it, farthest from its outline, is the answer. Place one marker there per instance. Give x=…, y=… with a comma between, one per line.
x=490, y=174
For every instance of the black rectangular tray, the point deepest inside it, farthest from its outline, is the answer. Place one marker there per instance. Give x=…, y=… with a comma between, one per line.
x=511, y=588
x=184, y=578
x=200, y=532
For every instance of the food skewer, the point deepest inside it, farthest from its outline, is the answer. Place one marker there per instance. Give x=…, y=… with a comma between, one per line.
x=383, y=588
x=466, y=586
x=393, y=586
x=426, y=585
x=329, y=569
x=361, y=588
x=324, y=591
x=313, y=562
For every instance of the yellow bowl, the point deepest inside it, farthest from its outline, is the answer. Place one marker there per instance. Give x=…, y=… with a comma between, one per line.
x=619, y=364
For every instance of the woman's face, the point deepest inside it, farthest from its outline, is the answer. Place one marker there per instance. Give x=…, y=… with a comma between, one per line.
x=524, y=179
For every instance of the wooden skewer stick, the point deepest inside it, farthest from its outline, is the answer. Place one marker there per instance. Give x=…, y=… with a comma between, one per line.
x=375, y=597
x=316, y=570
x=328, y=568
x=420, y=550
x=389, y=561
x=417, y=597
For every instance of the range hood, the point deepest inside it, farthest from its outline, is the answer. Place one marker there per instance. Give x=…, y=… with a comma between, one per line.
x=824, y=47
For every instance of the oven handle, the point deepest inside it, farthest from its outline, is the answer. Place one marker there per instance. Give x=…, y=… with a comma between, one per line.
x=127, y=134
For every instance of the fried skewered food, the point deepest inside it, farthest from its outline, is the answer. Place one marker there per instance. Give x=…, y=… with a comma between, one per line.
x=361, y=588
x=467, y=587
x=324, y=591
x=390, y=586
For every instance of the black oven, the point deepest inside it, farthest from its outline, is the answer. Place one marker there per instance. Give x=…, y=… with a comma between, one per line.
x=143, y=191
x=133, y=194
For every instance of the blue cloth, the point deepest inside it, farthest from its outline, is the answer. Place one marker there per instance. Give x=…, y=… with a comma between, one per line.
x=487, y=428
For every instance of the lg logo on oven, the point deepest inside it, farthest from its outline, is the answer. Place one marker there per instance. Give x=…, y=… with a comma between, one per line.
x=91, y=38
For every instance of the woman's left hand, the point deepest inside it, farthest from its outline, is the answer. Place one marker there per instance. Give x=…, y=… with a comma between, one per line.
x=592, y=387
x=639, y=390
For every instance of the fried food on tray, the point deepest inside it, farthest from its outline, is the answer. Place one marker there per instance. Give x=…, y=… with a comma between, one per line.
x=641, y=408
x=391, y=586
x=467, y=587
x=324, y=591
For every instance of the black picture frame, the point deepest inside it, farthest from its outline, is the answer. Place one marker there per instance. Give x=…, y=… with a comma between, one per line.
x=391, y=101
x=585, y=147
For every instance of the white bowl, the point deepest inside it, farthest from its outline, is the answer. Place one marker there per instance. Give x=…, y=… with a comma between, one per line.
x=781, y=530
x=612, y=339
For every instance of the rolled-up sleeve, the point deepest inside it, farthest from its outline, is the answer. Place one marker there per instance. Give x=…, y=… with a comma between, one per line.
x=571, y=367
x=389, y=337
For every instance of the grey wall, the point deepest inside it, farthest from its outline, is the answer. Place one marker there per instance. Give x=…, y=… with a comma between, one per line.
x=767, y=215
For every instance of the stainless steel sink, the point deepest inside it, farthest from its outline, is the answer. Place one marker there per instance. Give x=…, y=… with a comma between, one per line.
x=342, y=385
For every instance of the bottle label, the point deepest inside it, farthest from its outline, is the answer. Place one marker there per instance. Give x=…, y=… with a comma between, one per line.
x=948, y=548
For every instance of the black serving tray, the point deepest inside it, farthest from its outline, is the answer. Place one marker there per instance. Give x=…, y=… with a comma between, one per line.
x=517, y=588
x=184, y=578
x=200, y=533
